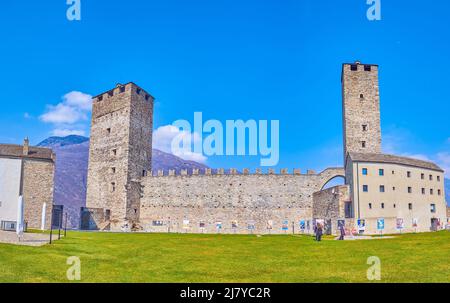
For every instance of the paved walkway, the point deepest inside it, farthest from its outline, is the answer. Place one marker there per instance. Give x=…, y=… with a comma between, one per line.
x=352, y=238
x=30, y=239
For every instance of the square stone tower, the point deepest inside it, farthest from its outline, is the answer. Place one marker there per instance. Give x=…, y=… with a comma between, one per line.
x=120, y=152
x=361, y=108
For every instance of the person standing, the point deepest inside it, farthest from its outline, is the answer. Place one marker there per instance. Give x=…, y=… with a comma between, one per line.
x=319, y=232
x=342, y=231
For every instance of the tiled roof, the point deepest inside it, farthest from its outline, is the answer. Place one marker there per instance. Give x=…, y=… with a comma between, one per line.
x=16, y=151
x=384, y=158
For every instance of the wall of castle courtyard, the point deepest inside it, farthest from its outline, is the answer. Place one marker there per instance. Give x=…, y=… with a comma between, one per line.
x=237, y=203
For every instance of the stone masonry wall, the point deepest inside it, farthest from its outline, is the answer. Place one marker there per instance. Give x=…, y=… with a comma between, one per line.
x=197, y=203
x=120, y=150
x=38, y=177
x=361, y=109
x=330, y=204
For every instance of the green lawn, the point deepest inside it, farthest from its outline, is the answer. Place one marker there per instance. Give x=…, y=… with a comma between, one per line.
x=107, y=257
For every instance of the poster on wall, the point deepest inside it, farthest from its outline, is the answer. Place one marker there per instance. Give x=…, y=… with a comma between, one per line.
x=302, y=225
x=251, y=225
x=185, y=224
x=234, y=224
x=202, y=225
x=285, y=225
x=219, y=226
x=380, y=224
x=400, y=224
x=415, y=222
x=320, y=222
x=269, y=224
x=361, y=224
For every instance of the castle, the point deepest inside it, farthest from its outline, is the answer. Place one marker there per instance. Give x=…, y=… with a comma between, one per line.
x=124, y=194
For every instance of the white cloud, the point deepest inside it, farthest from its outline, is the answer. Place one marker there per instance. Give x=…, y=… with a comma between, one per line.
x=396, y=141
x=78, y=100
x=443, y=160
x=74, y=108
x=165, y=135
x=67, y=132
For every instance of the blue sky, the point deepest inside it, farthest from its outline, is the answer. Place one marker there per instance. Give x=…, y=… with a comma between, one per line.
x=248, y=59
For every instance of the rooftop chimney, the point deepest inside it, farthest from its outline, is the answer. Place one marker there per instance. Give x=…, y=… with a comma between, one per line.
x=26, y=146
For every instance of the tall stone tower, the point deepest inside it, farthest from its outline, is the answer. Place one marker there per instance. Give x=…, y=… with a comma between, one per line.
x=120, y=153
x=361, y=108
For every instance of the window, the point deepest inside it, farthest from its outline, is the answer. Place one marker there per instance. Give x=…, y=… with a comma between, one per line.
x=439, y=193
x=382, y=205
x=354, y=67
x=364, y=171
x=364, y=127
x=393, y=172
x=423, y=191
x=367, y=68
x=381, y=172
x=361, y=96
x=370, y=205
x=113, y=186
x=108, y=130
x=431, y=177
x=114, y=152
x=439, y=178
x=363, y=144
x=395, y=205
x=144, y=173
x=365, y=188
x=410, y=206
x=422, y=176
x=408, y=174
x=100, y=98
x=138, y=91
x=381, y=188
x=431, y=191
x=113, y=170
x=393, y=188
x=147, y=97
x=409, y=190
x=122, y=89
x=433, y=208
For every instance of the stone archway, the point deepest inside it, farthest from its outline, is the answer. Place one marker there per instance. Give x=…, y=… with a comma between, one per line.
x=330, y=173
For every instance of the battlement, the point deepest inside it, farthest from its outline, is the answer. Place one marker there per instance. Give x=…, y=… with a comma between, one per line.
x=123, y=88
x=229, y=172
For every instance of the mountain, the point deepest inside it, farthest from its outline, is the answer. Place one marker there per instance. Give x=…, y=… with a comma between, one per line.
x=447, y=191
x=72, y=154
x=63, y=141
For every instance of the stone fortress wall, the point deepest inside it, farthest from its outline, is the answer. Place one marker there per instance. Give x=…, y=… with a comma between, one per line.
x=238, y=203
x=125, y=195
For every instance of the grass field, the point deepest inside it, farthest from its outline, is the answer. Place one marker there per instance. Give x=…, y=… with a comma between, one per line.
x=107, y=257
